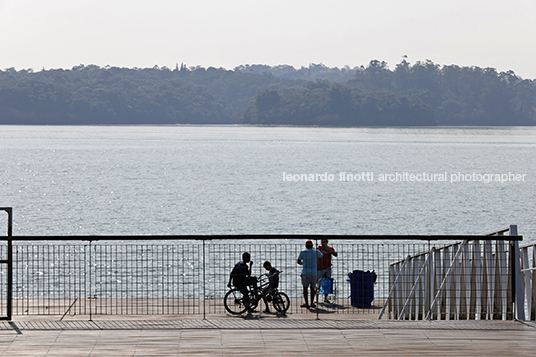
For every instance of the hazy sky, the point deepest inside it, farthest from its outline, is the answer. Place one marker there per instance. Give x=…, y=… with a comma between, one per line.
x=227, y=33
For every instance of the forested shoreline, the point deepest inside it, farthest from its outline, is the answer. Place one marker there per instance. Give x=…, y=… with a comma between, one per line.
x=419, y=94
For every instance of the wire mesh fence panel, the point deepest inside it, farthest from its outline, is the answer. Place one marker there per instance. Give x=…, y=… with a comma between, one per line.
x=49, y=279
x=191, y=276
x=147, y=279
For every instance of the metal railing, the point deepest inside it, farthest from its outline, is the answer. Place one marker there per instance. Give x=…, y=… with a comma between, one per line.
x=6, y=261
x=528, y=272
x=476, y=278
x=188, y=275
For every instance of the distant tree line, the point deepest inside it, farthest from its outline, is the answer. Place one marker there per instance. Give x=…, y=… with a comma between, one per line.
x=420, y=94
x=322, y=103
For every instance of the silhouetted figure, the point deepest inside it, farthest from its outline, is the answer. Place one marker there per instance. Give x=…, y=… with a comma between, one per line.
x=324, y=263
x=273, y=283
x=241, y=277
x=308, y=258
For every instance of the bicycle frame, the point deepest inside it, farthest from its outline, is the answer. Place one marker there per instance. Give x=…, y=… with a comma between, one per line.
x=236, y=303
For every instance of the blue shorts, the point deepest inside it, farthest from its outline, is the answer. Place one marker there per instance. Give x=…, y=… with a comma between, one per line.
x=326, y=273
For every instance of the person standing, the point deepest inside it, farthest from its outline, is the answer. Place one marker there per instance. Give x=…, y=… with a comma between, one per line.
x=308, y=258
x=324, y=263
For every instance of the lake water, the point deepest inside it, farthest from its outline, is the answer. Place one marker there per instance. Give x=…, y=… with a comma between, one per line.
x=97, y=180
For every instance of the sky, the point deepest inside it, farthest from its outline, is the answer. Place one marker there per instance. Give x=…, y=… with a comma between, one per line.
x=49, y=34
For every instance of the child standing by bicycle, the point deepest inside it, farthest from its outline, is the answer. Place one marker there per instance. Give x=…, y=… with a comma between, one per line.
x=273, y=283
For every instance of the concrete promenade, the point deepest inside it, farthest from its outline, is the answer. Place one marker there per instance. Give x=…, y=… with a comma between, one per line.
x=261, y=334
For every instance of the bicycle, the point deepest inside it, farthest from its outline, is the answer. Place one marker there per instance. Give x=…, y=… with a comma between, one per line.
x=234, y=299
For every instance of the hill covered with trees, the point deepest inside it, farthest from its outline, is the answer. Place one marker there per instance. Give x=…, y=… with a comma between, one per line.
x=420, y=94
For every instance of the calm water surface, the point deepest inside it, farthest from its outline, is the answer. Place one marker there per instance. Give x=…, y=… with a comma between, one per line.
x=82, y=180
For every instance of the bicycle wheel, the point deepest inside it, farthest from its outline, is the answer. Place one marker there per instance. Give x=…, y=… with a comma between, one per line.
x=253, y=300
x=234, y=302
x=281, y=302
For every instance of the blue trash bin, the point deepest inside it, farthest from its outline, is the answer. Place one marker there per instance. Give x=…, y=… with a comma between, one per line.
x=361, y=288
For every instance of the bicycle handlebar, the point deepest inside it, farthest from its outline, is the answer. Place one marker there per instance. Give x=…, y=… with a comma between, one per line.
x=265, y=274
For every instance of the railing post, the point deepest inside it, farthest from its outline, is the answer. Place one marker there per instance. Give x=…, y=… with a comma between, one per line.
x=204, y=284
x=9, y=302
x=90, y=282
x=527, y=271
x=9, y=262
x=517, y=288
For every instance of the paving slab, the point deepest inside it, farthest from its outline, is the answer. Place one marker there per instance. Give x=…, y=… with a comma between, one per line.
x=261, y=336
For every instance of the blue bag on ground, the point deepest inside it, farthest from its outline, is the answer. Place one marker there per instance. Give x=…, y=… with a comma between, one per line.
x=326, y=286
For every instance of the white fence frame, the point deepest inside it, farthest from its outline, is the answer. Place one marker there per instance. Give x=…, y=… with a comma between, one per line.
x=473, y=280
x=528, y=272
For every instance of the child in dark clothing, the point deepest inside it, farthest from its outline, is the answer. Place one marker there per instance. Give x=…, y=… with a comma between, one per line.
x=273, y=283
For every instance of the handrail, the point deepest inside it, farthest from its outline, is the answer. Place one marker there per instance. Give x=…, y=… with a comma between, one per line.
x=91, y=238
x=528, y=245
x=498, y=231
